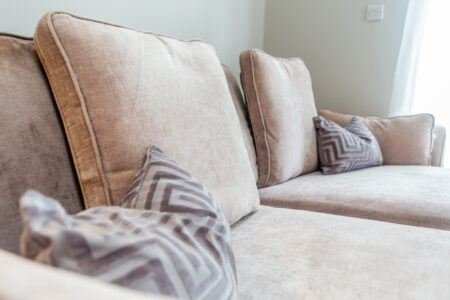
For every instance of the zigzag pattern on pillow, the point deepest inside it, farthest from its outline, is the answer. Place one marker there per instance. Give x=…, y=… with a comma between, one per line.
x=344, y=149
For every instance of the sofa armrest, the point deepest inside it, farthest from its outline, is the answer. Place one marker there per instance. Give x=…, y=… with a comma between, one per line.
x=23, y=279
x=437, y=152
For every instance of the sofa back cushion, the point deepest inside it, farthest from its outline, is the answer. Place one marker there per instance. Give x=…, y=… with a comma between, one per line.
x=281, y=107
x=33, y=148
x=244, y=121
x=404, y=140
x=119, y=90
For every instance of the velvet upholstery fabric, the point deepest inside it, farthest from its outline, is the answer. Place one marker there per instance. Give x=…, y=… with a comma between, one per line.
x=404, y=140
x=281, y=106
x=413, y=195
x=23, y=279
x=244, y=121
x=120, y=90
x=33, y=148
x=292, y=254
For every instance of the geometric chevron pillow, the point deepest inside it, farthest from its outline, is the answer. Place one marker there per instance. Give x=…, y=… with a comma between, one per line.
x=344, y=149
x=177, y=242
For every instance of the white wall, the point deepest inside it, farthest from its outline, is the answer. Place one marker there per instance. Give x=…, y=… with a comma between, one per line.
x=229, y=25
x=352, y=62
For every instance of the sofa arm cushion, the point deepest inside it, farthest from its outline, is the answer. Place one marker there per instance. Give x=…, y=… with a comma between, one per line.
x=437, y=152
x=25, y=280
x=403, y=140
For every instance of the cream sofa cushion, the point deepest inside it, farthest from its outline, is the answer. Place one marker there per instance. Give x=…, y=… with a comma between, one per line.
x=119, y=90
x=406, y=140
x=281, y=106
x=291, y=254
x=23, y=279
x=413, y=195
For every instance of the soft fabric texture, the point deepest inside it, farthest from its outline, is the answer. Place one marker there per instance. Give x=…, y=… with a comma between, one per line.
x=413, y=195
x=33, y=148
x=175, y=241
x=244, y=121
x=290, y=254
x=119, y=90
x=344, y=149
x=404, y=140
x=23, y=279
x=439, y=141
x=281, y=106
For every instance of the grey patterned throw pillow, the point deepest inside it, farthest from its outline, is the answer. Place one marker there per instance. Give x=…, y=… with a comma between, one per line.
x=344, y=149
x=169, y=238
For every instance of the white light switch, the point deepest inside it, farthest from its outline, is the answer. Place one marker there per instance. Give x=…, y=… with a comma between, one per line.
x=375, y=12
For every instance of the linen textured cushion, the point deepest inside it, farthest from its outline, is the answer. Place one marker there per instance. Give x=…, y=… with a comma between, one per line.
x=179, y=244
x=119, y=90
x=345, y=149
x=33, y=150
x=281, y=107
x=405, y=140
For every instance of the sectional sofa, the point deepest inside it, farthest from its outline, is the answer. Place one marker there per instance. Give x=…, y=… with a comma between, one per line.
x=374, y=233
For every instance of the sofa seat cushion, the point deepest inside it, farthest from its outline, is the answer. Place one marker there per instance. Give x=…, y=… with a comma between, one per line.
x=413, y=195
x=293, y=254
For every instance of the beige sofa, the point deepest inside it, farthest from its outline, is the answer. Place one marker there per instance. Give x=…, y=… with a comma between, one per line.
x=289, y=249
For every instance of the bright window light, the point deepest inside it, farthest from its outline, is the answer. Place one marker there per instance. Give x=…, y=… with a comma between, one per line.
x=432, y=89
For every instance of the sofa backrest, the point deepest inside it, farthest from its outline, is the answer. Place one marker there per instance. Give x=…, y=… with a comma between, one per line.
x=33, y=149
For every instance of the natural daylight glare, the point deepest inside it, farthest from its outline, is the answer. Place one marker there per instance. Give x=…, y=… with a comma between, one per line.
x=432, y=91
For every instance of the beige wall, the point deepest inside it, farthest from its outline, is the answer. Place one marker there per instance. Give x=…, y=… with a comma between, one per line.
x=352, y=62
x=230, y=25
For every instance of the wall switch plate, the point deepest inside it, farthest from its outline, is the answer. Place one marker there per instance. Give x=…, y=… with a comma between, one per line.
x=375, y=12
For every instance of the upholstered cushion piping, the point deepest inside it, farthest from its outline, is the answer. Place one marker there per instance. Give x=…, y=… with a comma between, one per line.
x=95, y=156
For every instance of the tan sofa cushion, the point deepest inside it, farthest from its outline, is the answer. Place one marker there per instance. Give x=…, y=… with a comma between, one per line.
x=404, y=140
x=23, y=279
x=290, y=254
x=120, y=90
x=413, y=195
x=33, y=148
x=281, y=107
